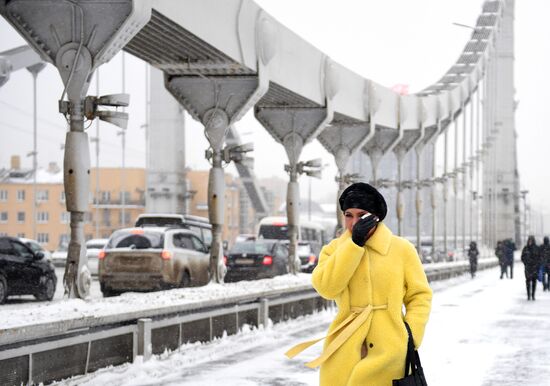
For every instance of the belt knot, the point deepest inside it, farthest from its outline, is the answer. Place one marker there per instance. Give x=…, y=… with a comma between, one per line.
x=346, y=328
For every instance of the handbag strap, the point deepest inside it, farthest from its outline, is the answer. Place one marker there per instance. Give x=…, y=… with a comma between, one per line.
x=412, y=361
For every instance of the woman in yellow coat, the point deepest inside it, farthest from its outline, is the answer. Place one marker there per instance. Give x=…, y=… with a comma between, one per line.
x=371, y=274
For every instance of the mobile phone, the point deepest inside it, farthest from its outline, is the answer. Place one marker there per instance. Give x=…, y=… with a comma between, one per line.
x=367, y=215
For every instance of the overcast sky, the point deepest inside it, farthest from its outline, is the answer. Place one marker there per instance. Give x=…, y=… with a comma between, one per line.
x=390, y=42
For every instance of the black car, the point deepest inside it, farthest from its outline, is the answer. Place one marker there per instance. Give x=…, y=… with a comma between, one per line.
x=24, y=272
x=256, y=259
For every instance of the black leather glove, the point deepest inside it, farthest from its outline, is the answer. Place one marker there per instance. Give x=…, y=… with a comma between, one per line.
x=361, y=229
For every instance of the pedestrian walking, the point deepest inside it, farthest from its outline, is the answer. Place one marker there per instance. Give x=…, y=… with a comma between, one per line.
x=509, y=249
x=545, y=263
x=473, y=253
x=530, y=256
x=371, y=274
x=499, y=252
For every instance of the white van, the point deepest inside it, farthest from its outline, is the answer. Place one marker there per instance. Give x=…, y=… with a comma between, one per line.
x=309, y=233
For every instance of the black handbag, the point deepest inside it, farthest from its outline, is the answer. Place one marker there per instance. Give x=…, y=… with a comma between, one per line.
x=414, y=374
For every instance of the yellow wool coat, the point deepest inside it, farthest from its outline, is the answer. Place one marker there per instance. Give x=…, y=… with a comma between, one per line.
x=387, y=270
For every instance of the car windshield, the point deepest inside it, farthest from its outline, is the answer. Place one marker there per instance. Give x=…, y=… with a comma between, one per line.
x=137, y=239
x=251, y=247
x=35, y=247
x=274, y=232
x=158, y=221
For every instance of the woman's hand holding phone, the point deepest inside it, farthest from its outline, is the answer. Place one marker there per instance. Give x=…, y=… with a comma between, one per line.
x=361, y=230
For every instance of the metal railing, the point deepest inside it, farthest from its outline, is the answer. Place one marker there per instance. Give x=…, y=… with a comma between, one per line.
x=53, y=351
x=39, y=354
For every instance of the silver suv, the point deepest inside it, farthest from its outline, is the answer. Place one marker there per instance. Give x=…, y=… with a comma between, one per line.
x=147, y=259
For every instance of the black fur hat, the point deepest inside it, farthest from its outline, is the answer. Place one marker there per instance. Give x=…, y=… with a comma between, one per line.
x=364, y=196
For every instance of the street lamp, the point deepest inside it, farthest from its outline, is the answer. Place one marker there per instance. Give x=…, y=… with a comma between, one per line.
x=96, y=140
x=122, y=133
x=34, y=70
x=524, y=197
x=316, y=174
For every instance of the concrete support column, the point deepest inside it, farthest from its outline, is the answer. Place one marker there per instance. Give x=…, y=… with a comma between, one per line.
x=293, y=217
x=418, y=199
x=472, y=167
x=464, y=174
x=478, y=222
x=76, y=173
x=433, y=194
x=341, y=158
x=445, y=188
x=399, y=210
x=292, y=125
x=455, y=186
x=201, y=97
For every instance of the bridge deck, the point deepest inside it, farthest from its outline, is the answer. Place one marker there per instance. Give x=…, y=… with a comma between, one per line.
x=481, y=332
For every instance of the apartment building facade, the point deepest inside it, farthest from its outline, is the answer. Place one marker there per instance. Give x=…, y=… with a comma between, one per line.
x=109, y=208
x=51, y=227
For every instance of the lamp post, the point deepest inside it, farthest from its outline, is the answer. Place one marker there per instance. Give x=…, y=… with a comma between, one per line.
x=445, y=189
x=122, y=133
x=34, y=70
x=311, y=176
x=96, y=140
x=456, y=172
x=524, y=197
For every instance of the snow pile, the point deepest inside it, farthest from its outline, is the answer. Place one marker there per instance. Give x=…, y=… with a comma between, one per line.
x=211, y=294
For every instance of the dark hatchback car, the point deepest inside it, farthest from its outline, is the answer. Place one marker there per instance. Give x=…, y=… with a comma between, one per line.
x=24, y=272
x=256, y=259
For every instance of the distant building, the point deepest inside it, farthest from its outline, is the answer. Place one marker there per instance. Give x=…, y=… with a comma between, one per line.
x=52, y=219
x=105, y=211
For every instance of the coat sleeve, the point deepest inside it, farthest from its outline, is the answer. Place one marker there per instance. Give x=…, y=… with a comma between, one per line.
x=418, y=296
x=337, y=262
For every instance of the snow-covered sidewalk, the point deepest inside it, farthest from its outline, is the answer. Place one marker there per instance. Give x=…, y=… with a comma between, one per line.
x=482, y=332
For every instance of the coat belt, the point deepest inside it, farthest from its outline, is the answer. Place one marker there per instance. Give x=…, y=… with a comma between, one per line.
x=346, y=328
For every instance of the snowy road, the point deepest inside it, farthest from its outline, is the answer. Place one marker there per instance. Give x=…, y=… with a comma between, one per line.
x=481, y=332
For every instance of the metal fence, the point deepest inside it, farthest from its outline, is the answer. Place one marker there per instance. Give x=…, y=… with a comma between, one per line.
x=43, y=358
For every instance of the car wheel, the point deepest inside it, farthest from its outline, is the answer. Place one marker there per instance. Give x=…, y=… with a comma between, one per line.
x=185, y=280
x=47, y=290
x=3, y=289
x=107, y=292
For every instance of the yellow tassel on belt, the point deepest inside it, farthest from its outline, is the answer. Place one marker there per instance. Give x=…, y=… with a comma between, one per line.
x=348, y=326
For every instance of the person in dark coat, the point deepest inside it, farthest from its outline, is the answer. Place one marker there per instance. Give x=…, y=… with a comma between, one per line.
x=509, y=248
x=499, y=252
x=473, y=253
x=545, y=263
x=530, y=256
